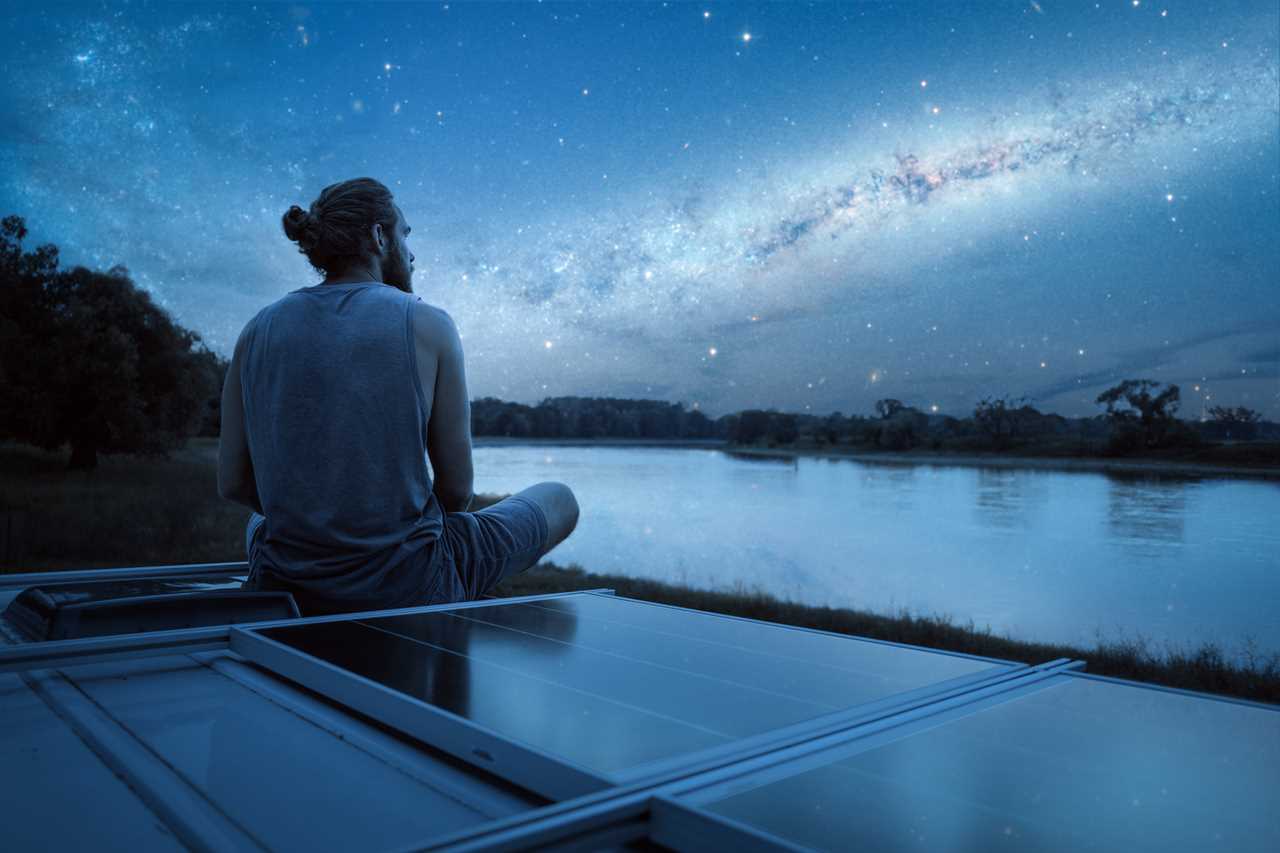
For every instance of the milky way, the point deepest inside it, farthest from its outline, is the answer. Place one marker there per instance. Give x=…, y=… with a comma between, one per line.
x=637, y=200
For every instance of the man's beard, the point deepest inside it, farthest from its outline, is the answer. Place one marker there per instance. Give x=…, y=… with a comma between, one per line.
x=401, y=277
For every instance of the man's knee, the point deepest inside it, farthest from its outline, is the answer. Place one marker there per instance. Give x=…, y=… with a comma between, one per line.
x=570, y=502
x=559, y=506
x=566, y=510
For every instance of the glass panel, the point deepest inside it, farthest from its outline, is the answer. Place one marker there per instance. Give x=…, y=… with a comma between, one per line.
x=291, y=784
x=1081, y=764
x=611, y=683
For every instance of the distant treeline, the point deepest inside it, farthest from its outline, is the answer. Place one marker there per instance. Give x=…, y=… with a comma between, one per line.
x=592, y=417
x=996, y=423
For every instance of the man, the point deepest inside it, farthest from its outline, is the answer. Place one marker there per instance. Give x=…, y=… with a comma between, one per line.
x=336, y=396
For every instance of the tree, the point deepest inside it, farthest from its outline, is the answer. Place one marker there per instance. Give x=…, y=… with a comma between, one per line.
x=752, y=426
x=999, y=417
x=783, y=429
x=1238, y=415
x=831, y=428
x=88, y=359
x=888, y=408
x=906, y=428
x=1140, y=410
x=1239, y=423
x=211, y=417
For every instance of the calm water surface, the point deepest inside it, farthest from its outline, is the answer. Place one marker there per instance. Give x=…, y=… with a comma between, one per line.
x=1047, y=555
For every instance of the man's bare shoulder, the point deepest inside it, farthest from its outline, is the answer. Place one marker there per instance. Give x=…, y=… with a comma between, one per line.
x=433, y=326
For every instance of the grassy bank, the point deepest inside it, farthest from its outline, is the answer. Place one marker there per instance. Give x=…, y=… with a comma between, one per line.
x=1206, y=668
x=138, y=511
x=129, y=511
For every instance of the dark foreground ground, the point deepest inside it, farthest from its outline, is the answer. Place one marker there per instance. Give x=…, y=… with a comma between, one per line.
x=134, y=511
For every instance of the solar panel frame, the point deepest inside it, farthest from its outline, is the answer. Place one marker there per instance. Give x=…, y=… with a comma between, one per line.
x=651, y=772
x=680, y=821
x=748, y=620
x=520, y=763
x=570, y=822
x=551, y=775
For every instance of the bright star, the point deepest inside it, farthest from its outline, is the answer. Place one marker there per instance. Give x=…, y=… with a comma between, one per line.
x=746, y=36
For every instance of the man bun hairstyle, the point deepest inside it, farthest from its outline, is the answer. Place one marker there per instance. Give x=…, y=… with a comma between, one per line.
x=334, y=233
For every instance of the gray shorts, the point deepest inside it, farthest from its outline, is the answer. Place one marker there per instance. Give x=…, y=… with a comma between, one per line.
x=479, y=549
x=476, y=550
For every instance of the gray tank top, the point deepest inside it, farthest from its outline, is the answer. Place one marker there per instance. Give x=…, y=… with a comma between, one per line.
x=334, y=417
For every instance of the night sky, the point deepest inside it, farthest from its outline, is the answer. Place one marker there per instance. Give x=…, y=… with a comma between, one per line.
x=807, y=207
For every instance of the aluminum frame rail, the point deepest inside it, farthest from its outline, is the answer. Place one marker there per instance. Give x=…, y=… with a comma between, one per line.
x=128, y=573
x=56, y=654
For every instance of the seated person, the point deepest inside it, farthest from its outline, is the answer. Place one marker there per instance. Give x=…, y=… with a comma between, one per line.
x=336, y=396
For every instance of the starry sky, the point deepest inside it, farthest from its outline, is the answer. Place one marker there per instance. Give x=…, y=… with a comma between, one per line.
x=790, y=205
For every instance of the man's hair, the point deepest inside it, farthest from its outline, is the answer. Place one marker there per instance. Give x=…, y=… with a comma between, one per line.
x=334, y=234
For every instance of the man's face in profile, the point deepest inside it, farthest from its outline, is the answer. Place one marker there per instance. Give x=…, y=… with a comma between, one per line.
x=397, y=262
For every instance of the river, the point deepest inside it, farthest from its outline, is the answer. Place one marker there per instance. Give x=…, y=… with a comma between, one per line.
x=1038, y=554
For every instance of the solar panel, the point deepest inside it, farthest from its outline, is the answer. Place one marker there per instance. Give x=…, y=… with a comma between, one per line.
x=574, y=693
x=1074, y=763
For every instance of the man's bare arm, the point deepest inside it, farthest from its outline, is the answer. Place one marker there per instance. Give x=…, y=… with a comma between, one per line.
x=449, y=429
x=235, y=467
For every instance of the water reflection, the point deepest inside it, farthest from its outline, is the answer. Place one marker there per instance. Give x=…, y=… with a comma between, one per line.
x=780, y=459
x=1145, y=513
x=1005, y=497
x=889, y=484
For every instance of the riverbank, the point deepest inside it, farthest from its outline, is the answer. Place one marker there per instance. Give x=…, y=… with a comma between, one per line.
x=1119, y=465
x=676, y=443
x=1131, y=465
x=1206, y=669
